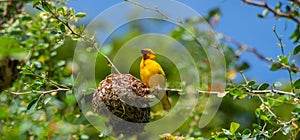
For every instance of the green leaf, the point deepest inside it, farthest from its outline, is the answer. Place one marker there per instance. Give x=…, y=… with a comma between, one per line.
x=251, y=83
x=213, y=13
x=287, y=97
x=46, y=6
x=234, y=126
x=297, y=84
x=296, y=50
x=277, y=84
x=72, y=11
x=26, y=72
x=226, y=132
x=260, y=16
x=32, y=105
x=286, y=129
x=263, y=86
x=246, y=134
x=243, y=66
x=35, y=3
x=47, y=100
x=275, y=67
x=279, y=101
x=61, y=11
x=278, y=6
x=296, y=111
x=265, y=12
x=61, y=63
x=80, y=15
x=62, y=27
x=264, y=118
x=9, y=42
x=284, y=59
x=257, y=112
x=236, y=92
x=296, y=35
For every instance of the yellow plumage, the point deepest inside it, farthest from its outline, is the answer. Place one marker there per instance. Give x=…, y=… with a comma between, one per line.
x=153, y=75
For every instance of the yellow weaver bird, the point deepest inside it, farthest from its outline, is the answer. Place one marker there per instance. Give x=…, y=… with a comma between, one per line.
x=153, y=75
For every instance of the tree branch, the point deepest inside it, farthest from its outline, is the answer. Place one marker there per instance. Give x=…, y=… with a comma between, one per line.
x=39, y=92
x=243, y=47
x=226, y=92
x=277, y=13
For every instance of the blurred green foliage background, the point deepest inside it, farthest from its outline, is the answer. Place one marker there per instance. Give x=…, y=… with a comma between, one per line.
x=40, y=103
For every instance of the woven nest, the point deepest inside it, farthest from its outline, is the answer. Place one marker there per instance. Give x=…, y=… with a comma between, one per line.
x=122, y=99
x=8, y=72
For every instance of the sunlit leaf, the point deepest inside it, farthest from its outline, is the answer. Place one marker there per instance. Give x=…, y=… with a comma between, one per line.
x=80, y=15
x=25, y=72
x=35, y=3
x=236, y=92
x=234, y=127
x=277, y=84
x=284, y=59
x=47, y=100
x=264, y=118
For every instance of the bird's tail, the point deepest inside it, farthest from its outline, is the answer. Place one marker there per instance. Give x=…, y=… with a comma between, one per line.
x=165, y=102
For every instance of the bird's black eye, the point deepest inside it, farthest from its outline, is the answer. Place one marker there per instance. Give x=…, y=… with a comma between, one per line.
x=144, y=51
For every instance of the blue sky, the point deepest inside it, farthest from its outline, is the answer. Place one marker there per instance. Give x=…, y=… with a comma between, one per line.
x=238, y=21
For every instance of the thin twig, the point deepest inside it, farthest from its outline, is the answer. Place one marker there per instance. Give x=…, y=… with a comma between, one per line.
x=282, y=52
x=276, y=131
x=165, y=16
x=39, y=92
x=156, y=10
x=244, y=47
x=272, y=91
x=279, y=38
x=269, y=110
x=244, y=77
x=280, y=122
x=110, y=62
x=277, y=13
x=49, y=80
x=61, y=21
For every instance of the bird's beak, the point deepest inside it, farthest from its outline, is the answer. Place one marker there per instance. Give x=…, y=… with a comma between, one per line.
x=145, y=52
